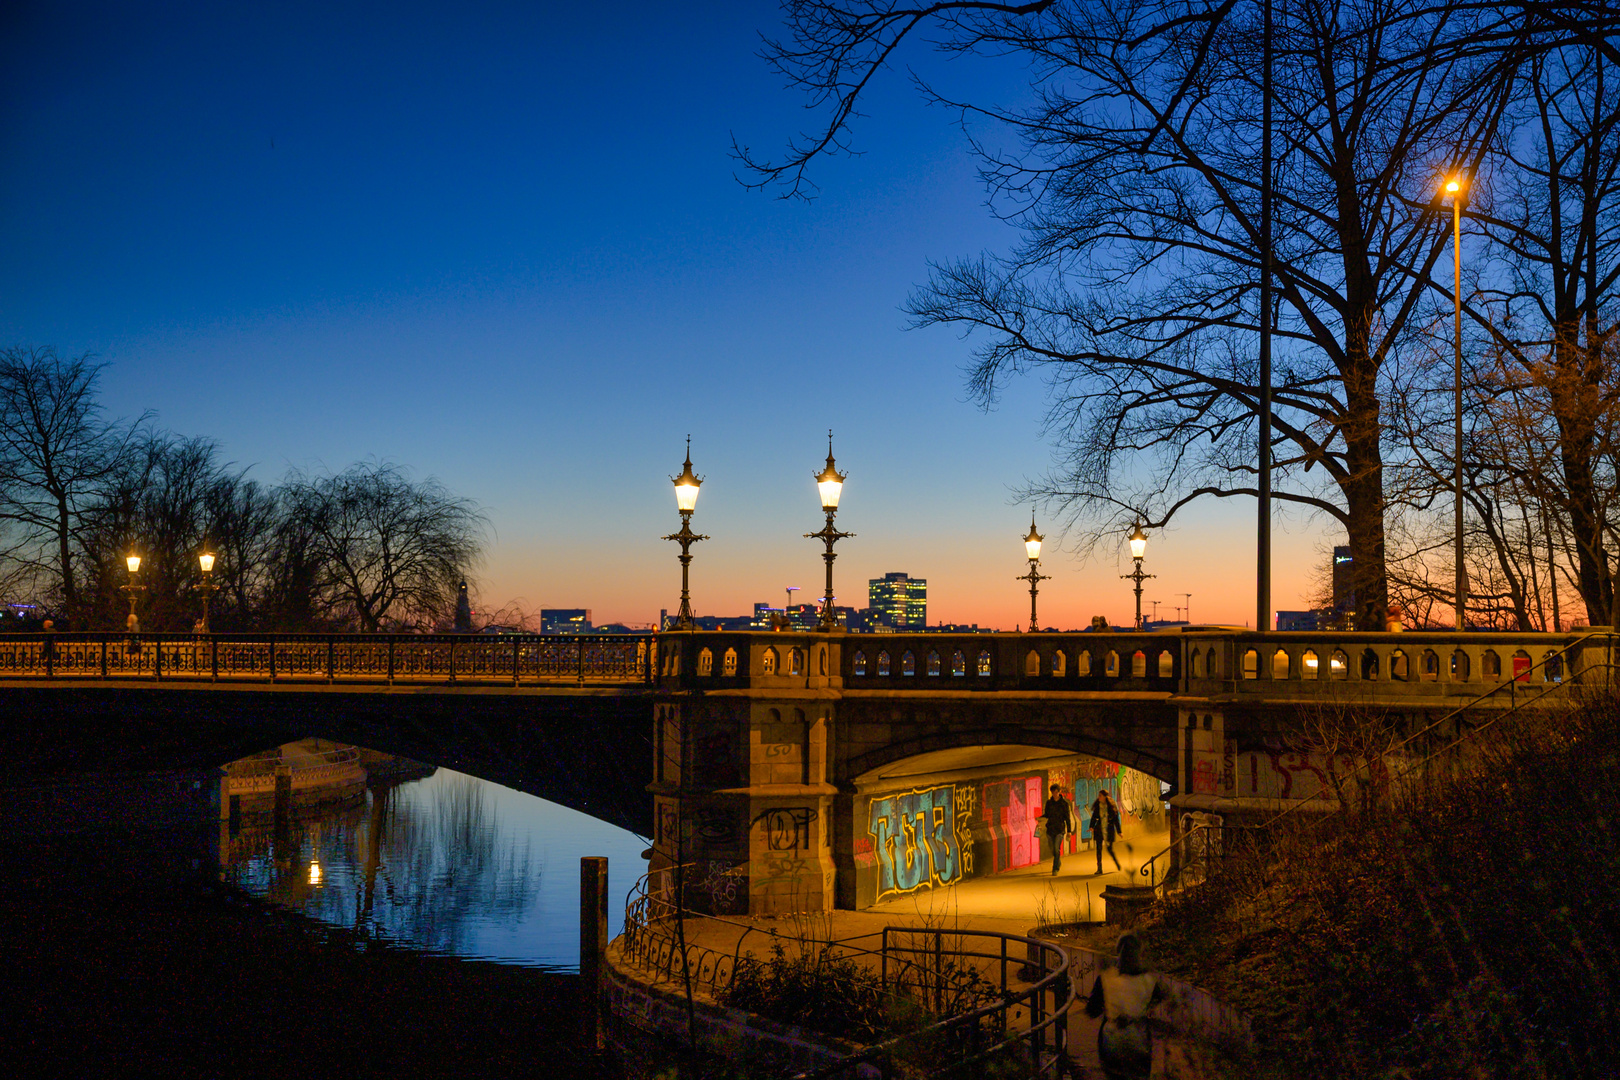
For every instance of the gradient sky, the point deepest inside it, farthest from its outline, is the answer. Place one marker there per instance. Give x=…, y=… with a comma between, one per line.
x=503, y=245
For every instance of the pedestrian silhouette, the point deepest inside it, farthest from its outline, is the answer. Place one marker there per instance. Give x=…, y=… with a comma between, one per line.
x=1122, y=995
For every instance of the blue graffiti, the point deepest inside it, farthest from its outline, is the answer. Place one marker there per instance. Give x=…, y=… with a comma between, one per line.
x=914, y=835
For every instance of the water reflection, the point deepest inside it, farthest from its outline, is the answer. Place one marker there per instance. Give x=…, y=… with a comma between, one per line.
x=444, y=862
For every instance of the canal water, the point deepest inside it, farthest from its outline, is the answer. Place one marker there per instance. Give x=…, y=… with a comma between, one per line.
x=446, y=863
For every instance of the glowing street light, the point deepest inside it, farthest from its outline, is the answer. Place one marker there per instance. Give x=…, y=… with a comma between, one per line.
x=1454, y=188
x=133, y=590
x=1032, y=551
x=686, y=496
x=205, y=562
x=1138, y=540
x=830, y=484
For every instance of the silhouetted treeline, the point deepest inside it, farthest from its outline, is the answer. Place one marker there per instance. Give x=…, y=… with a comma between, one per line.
x=366, y=549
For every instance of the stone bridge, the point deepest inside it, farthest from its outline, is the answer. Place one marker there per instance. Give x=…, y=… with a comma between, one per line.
x=811, y=770
x=796, y=770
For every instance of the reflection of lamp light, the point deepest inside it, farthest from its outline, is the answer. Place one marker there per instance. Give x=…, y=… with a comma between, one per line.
x=314, y=872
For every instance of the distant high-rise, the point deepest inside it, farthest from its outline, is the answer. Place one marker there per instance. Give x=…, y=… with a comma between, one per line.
x=1344, y=586
x=899, y=600
x=565, y=620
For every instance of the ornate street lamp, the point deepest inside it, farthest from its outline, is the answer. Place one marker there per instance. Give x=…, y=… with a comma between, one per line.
x=1138, y=549
x=133, y=589
x=686, y=495
x=831, y=485
x=1032, y=550
x=207, y=588
x=1454, y=187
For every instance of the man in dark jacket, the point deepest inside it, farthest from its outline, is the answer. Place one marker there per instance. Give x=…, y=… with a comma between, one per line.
x=1059, y=815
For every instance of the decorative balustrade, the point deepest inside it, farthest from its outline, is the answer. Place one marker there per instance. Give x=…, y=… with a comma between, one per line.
x=1205, y=661
x=510, y=660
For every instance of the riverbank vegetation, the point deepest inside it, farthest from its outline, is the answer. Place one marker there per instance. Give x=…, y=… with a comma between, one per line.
x=1466, y=927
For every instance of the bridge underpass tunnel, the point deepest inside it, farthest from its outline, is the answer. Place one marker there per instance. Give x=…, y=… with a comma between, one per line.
x=945, y=818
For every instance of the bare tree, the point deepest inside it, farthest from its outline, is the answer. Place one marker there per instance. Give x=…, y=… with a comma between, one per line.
x=56, y=450
x=1135, y=289
x=386, y=552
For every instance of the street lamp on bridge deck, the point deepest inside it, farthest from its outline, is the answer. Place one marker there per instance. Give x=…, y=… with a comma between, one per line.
x=207, y=588
x=133, y=590
x=830, y=483
x=686, y=495
x=1138, y=549
x=1032, y=550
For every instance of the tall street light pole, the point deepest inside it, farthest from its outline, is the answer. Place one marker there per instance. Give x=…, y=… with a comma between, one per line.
x=1032, y=551
x=1263, y=576
x=1454, y=186
x=1138, y=549
x=830, y=484
x=686, y=494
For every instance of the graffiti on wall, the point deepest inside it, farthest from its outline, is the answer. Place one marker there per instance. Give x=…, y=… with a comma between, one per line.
x=787, y=828
x=1273, y=771
x=1011, y=807
x=914, y=834
x=967, y=801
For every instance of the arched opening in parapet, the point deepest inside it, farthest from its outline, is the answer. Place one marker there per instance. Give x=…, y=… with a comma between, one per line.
x=965, y=827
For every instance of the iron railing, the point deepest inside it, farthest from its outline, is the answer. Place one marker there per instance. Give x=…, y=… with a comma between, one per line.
x=511, y=660
x=1022, y=985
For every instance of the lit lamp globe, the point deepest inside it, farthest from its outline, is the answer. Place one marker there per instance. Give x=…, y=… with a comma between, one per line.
x=206, y=561
x=1138, y=542
x=134, y=563
x=1032, y=542
x=1453, y=186
x=686, y=489
x=831, y=485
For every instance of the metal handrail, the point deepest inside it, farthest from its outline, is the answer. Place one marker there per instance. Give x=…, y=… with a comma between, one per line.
x=1046, y=1034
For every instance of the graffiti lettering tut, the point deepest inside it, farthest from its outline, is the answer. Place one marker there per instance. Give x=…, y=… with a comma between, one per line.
x=915, y=838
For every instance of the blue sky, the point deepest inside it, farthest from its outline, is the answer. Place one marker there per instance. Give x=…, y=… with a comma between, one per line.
x=503, y=245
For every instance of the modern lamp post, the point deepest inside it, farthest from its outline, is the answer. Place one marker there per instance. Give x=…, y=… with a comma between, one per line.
x=1454, y=188
x=1032, y=551
x=686, y=494
x=1138, y=549
x=831, y=485
x=133, y=589
x=207, y=588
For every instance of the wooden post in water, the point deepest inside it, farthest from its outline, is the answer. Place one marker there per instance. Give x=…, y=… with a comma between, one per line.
x=593, y=940
x=283, y=801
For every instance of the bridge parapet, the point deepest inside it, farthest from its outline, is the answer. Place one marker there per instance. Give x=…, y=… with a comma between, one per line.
x=1248, y=664
x=507, y=660
x=1392, y=666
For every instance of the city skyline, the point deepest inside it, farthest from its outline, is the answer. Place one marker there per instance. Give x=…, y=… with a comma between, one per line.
x=507, y=250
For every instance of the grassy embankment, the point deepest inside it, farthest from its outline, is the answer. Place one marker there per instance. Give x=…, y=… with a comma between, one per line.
x=1469, y=927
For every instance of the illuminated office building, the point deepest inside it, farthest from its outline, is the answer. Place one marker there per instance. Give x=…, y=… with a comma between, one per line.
x=899, y=601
